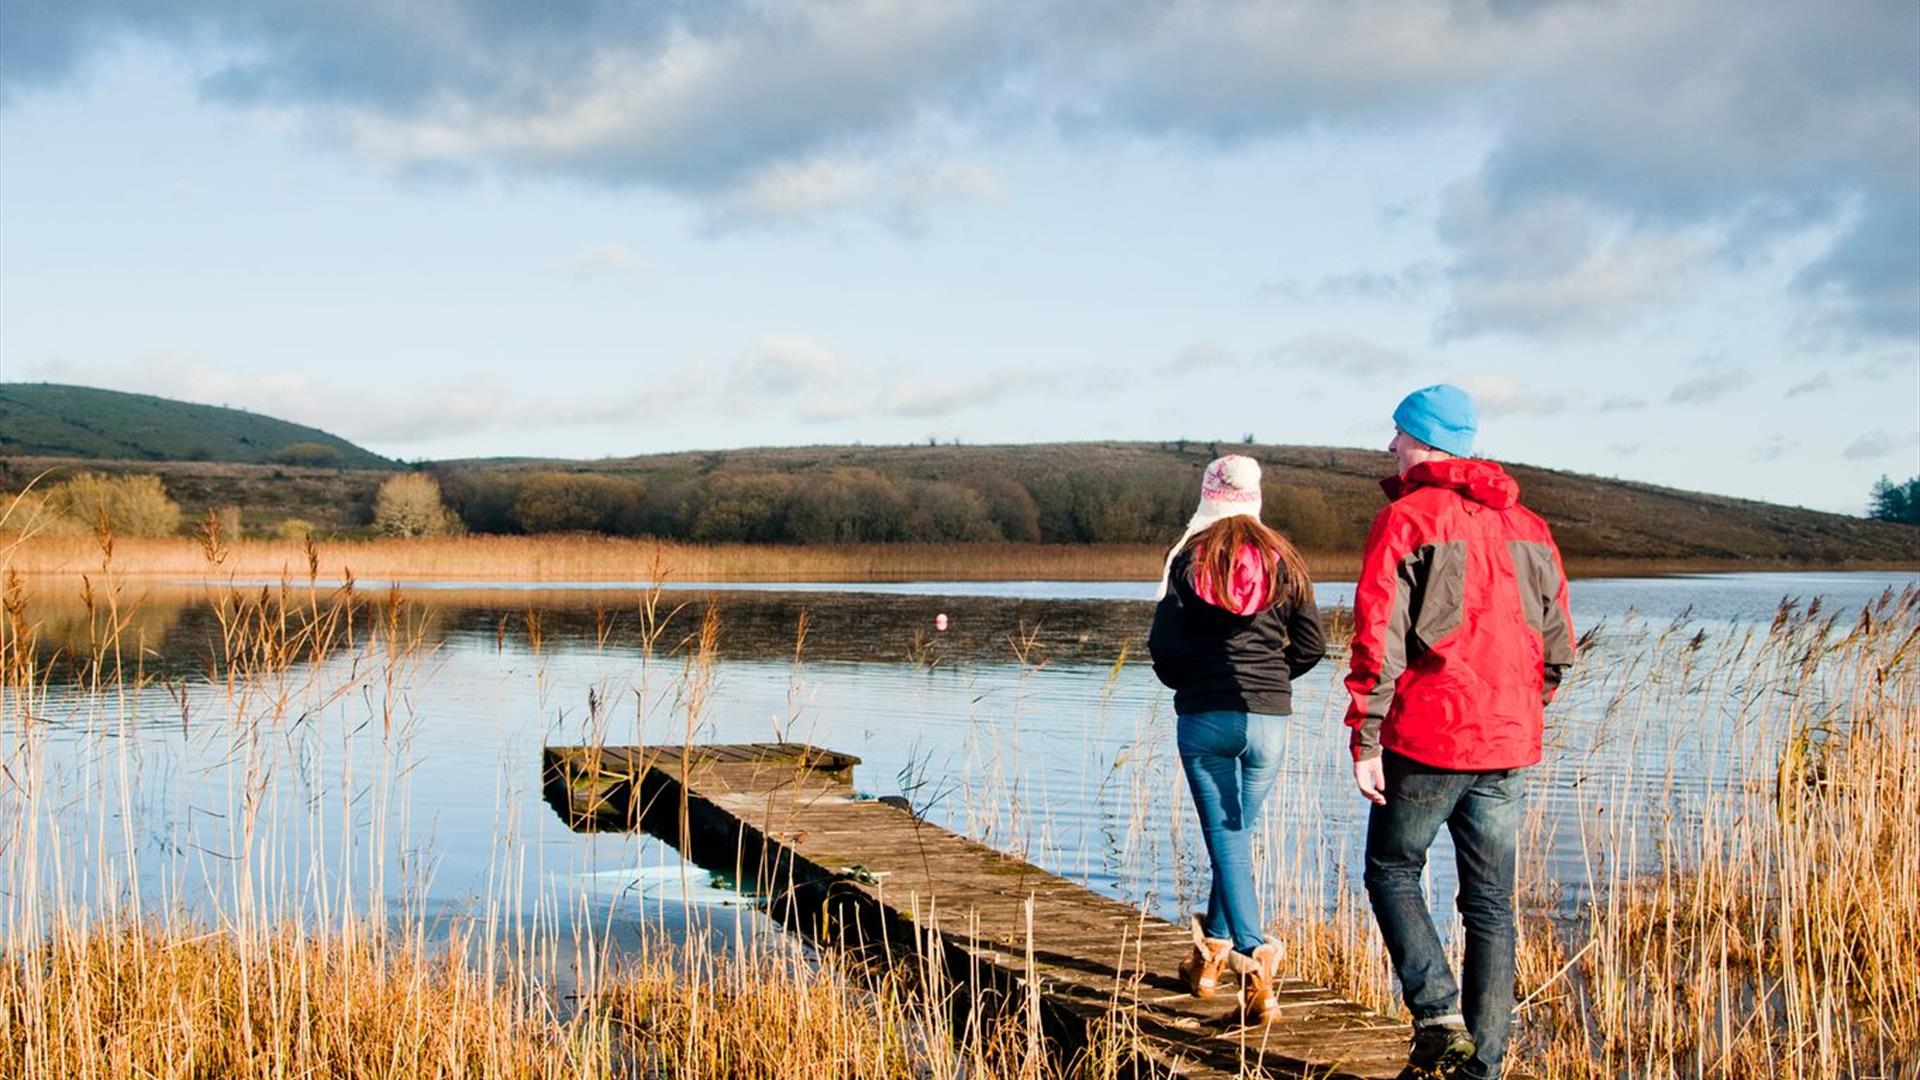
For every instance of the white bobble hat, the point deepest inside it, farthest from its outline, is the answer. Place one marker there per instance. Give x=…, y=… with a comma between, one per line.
x=1229, y=488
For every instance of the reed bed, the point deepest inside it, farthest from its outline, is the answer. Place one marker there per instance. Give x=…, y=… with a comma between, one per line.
x=166, y=998
x=283, y=953
x=1762, y=923
x=588, y=558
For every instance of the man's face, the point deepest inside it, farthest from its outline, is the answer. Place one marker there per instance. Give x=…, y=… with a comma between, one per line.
x=1408, y=451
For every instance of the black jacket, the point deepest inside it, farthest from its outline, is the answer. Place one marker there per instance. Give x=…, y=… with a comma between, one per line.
x=1215, y=660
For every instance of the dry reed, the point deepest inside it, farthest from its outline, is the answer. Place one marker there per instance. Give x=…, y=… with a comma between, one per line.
x=1772, y=930
x=293, y=962
x=1775, y=934
x=588, y=558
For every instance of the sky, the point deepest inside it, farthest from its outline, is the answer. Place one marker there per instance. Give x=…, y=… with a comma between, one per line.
x=1676, y=241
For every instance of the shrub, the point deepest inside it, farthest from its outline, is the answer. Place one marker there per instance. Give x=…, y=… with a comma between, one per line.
x=940, y=511
x=130, y=505
x=483, y=501
x=667, y=510
x=1142, y=506
x=309, y=453
x=751, y=508
x=28, y=512
x=294, y=528
x=409, y=505
x=1011, y=507
x=1303, y=515
x=851, y=505
x=574, y=502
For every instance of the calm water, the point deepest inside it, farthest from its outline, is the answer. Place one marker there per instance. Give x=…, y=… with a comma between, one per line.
x=1033, y=723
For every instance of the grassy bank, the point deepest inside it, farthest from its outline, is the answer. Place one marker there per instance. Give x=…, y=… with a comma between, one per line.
x=581, y=557
x=176, y=999
x=1769, y=931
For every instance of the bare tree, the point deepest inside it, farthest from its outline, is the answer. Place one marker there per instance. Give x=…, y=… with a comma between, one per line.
x=409, y=505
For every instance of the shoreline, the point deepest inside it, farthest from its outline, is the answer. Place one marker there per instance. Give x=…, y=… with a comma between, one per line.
x=581, y=561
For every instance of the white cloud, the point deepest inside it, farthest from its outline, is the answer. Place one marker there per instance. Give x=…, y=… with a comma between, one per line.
x=1405, y=284
x=1709, y=386
x=1556, y=268
x=606, y=261
x=1343, y=354
x=790, y=193
x=1685, y=128
x=1199, y=356
x=790, y=374
x=785, y=364
x=1501, y=394
x=923, y=396
x=1875, y=445
x=402, y=415
x=1819, y=382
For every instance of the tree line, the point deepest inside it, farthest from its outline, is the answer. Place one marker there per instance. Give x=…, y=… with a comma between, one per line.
x=1895, y=502
x=847, y=505
x=855, y=504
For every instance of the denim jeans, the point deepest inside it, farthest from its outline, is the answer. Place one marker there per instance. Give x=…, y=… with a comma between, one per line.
x=1231, y=759
x=1482, y=810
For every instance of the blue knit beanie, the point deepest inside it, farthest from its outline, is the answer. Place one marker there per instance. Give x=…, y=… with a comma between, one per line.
x=1441, y=416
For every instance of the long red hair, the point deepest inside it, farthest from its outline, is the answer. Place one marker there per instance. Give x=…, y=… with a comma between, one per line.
x=1217, y=546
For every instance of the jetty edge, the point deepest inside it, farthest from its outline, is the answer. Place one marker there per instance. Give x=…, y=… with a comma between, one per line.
x=868, y=874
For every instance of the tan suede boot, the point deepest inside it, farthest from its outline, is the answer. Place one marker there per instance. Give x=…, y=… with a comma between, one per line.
x=1259, y=975
x=1202, y=968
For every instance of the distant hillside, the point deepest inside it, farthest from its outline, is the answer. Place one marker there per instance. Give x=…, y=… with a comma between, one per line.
x=1142, y=492
x=52, y=420
x=1126, y=493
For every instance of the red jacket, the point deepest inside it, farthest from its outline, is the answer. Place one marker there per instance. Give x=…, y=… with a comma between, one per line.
x=1460, y=623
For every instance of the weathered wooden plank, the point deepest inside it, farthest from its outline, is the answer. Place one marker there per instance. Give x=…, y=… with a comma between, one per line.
x=784, y=815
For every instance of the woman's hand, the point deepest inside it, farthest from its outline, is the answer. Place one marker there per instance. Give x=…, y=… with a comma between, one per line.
x=1371, y=778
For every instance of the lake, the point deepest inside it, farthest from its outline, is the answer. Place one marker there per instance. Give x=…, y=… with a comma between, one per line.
x=403, y=773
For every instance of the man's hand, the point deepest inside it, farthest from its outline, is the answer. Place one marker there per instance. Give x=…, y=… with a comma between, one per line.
x=1371, y=777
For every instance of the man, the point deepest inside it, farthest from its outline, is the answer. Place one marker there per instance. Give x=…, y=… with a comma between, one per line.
x=1461, y=634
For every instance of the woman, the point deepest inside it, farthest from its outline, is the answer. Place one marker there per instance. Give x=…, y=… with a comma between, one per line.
x=1236, y=623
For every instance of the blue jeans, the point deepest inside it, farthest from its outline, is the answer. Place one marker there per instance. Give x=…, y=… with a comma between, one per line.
x=1482, y=810
x=1231, y=760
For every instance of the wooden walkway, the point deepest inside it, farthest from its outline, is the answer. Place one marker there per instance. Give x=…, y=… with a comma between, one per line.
x=785, y=817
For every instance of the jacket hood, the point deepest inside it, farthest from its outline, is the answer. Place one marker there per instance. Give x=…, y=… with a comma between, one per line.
x=1474, y=478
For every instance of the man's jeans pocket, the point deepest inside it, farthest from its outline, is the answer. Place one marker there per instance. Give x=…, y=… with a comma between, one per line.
x=1409, y=781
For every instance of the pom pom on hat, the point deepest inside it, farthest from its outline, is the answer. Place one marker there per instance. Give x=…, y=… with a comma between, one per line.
x=1231, y=485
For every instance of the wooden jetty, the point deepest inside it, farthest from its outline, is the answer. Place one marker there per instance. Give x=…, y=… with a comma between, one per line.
x=785, y=816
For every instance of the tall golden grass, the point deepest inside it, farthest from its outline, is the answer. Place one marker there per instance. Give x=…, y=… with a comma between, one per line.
x=1774, y=930
x=293, y=963
x=1769, y=926
x=586, y=557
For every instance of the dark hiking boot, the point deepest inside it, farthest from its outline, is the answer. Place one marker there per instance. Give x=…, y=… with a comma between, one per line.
x=1439, y=1047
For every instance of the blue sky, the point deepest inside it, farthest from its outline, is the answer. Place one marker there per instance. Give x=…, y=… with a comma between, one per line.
x=1677, y=241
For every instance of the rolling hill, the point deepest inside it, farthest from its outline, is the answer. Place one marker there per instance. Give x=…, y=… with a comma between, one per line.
x=55, y=420
x=1324, y=496
x=1105, y=492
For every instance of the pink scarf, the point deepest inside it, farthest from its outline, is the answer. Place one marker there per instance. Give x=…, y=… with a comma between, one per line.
x=1245, y=590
